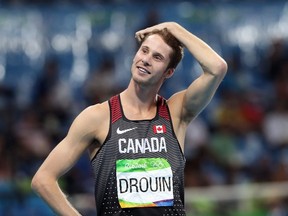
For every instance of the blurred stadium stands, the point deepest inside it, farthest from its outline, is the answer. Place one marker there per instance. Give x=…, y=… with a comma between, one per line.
x=57, y=58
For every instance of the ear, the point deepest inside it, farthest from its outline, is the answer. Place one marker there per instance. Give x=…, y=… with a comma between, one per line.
x=169, y=73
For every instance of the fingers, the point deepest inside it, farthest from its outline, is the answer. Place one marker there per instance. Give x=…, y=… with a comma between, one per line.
x=140, y=35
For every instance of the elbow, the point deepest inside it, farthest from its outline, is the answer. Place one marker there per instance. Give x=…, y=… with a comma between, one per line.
x=39, y=182
x=217, y=68
x=221, y=68
x=224, y=67
x=36, y=183
x=42, y=182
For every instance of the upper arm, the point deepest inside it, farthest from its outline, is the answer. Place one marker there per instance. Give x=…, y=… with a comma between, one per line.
x=198, y=95
x=187, y=104
x=79, y=137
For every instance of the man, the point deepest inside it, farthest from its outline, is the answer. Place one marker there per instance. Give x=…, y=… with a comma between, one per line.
x=136, y=139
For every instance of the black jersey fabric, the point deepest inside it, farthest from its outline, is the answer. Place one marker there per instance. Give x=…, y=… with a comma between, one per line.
x=137, y=140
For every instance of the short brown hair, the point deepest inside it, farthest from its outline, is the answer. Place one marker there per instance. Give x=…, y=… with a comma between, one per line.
x=170, y=40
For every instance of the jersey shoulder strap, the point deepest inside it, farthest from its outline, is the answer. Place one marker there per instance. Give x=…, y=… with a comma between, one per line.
x=163, y=108
x=115, y=108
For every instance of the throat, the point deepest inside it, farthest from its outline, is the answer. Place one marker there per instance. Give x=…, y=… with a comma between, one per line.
x=138, y=108
x=140, y=114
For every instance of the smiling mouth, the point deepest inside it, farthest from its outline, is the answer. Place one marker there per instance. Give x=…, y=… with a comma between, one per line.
x=143, y=70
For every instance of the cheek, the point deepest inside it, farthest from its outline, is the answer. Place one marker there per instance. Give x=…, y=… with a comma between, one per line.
x=135, y=60
x=137, y=57
x=137, y=54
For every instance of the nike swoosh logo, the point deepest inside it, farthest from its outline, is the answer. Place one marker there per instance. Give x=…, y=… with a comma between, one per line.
x=124, y=131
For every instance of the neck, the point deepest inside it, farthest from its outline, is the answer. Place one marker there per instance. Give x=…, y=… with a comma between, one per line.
x=141, y=98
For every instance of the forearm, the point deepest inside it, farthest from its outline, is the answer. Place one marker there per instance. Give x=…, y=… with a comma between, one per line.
x=209, y=60
x=51, y=193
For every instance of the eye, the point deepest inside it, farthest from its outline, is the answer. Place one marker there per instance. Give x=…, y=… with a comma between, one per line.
x=145, y=50
x=158, y=57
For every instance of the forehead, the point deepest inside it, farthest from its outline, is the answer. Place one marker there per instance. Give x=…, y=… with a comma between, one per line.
x=157, y=44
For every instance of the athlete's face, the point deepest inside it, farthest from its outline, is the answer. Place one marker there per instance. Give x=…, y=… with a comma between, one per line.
x=151, y=61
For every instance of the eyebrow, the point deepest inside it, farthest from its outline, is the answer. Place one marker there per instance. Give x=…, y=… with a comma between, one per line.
x=155, y=53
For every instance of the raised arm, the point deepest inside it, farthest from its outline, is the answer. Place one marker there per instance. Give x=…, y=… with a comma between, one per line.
x=200, y=92
x=187, y=104
x=62, y=158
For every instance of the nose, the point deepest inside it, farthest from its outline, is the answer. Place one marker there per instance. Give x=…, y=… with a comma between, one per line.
x=145, y=62
x=146, y=58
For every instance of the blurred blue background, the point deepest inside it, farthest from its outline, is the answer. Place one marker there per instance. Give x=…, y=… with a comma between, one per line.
x=57, y=57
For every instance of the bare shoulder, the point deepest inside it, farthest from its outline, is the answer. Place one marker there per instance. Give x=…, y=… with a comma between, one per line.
x=93, y=121
x=97, y=111
x=175, y=104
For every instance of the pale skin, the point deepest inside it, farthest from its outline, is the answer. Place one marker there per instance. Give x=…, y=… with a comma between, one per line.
x=149, y=70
